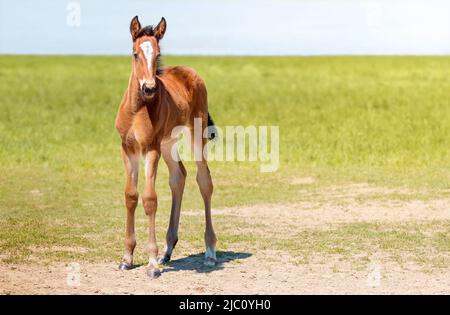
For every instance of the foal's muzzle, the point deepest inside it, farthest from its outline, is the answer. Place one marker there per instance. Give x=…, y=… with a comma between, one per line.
x=148, y=90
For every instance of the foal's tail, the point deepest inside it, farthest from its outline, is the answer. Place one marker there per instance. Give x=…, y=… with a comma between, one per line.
x=212, y=130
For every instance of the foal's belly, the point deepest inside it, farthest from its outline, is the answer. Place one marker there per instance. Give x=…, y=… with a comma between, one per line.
x=141, y=139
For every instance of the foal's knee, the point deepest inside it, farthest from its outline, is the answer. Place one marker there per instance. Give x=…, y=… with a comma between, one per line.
x=150, y=203
x=131, y=199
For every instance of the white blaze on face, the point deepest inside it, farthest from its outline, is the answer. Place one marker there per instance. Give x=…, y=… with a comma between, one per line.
x=148, y=52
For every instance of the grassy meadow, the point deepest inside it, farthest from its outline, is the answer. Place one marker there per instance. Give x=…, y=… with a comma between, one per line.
x=384, y=121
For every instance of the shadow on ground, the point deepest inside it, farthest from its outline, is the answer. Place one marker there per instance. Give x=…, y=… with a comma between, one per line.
x=195, y=262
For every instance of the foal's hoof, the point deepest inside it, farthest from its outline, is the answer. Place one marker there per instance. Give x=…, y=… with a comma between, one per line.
x=163, y=260
x=125, y=266
x=210, y=262
x=153, y=273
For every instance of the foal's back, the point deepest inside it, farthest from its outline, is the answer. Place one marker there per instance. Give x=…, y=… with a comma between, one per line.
x=186, y=91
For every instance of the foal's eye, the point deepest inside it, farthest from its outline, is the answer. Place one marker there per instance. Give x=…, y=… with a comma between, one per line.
x=135, y=54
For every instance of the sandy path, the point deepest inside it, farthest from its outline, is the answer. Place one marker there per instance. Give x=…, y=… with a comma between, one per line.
x=245, y=276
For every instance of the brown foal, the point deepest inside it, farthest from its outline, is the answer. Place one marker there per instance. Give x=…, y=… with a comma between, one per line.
x=156, y=101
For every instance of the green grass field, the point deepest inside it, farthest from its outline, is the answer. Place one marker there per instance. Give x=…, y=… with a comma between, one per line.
x=384, y=121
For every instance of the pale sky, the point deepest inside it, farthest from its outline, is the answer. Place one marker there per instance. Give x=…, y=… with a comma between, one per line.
x=223, y=27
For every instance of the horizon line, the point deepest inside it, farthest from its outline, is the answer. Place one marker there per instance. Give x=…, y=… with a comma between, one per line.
x=228, y=55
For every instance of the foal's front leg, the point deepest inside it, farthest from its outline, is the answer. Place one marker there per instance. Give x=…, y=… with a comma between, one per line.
x=149, y=200
x=131, y=163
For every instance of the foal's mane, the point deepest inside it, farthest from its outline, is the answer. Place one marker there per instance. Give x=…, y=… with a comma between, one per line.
x=148, y=31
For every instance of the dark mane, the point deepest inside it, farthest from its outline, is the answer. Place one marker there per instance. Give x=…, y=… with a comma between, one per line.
x=159, y=66
x=146, y=31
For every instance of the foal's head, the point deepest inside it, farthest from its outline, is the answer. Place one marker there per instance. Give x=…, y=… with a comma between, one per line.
x=146, y=54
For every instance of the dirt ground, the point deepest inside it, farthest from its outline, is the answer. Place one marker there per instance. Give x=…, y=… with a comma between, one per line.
x=262, y=272
x=251, y=276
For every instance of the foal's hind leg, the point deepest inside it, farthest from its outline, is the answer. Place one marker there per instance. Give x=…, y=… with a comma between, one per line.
x=206, y=188
x=177, y=178
x=131, y=163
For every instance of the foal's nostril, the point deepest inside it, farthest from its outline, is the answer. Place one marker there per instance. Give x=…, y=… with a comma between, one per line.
x=147, y=90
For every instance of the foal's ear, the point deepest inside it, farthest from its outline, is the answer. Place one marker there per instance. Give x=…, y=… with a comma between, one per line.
x=160, y=29
x=135, y=27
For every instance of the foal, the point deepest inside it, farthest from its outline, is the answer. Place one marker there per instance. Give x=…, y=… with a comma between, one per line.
x=156, y=101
